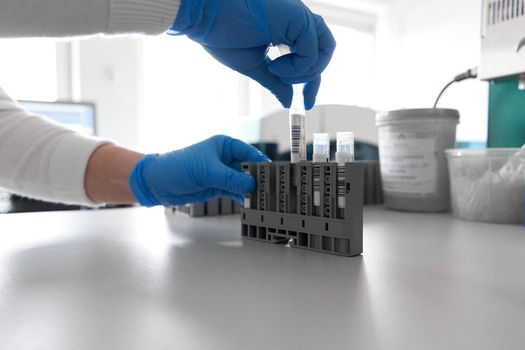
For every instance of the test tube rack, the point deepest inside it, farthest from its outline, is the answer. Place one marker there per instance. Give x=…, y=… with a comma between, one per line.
x=373, y=187
x=214, y=207
x=373, y=194
x=281, y=209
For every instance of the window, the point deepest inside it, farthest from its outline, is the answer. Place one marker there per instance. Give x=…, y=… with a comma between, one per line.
x=348, y=78
x=188, y=96
x=28, y=69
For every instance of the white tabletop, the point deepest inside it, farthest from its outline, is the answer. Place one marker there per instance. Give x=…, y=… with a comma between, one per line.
x=129, y=279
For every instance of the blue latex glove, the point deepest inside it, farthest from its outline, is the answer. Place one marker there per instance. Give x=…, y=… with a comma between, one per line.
x=206, y=170
x=238, y=33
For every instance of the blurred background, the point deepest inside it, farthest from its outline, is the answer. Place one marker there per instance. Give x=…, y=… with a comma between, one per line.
x=156, y=94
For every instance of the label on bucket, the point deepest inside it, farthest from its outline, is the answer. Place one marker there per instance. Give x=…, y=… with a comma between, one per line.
x=408, y=162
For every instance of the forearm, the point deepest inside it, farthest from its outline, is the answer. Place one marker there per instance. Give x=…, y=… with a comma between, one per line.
x=59, y=18
x=107, y=174
x=40, y=159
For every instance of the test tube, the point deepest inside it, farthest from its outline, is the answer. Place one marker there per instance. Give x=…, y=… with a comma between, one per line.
x=321, y=148
x=297, y=118
x=343, y=155
x=321, y=154
x=345, y=148
x=247, y=199
x=297, y=126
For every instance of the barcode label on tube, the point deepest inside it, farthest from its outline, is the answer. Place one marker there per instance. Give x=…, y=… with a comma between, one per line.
x=297, y=138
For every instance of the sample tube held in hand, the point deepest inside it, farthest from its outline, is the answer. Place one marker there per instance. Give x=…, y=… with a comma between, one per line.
x=297, y=127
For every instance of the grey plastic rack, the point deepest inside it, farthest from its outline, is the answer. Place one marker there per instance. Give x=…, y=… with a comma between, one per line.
x=373, y=186
x=282, y=209
x=373, y=194
x=214, y=207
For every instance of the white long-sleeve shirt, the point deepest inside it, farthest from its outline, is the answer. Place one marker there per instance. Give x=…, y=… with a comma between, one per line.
x=38, y=158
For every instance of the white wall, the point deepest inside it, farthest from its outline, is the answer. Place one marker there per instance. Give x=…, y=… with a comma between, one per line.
x=421, y=45
x=111, y=76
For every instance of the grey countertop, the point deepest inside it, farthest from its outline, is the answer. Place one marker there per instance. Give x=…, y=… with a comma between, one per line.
x=131, y=279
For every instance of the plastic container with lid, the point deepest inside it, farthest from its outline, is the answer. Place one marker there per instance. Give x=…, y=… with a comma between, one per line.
x=411, y=152
x=487, y=184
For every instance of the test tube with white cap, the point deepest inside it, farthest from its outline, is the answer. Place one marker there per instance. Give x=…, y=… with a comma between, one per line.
x=297, y=118
x=321, y=154
x=343, y=155
x=297, y=126
x=345, y=148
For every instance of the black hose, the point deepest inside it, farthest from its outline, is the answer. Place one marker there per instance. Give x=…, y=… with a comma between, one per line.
x=442, y=92
x=470, y=74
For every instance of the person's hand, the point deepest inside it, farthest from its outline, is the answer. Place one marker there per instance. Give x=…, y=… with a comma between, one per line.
x=238, y=33
x=206, y=170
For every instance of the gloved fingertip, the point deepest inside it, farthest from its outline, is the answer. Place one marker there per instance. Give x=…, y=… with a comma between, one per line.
x=264, y=159
x=283, y=92
x=246, y=185
x=233, y=181
x=239, y=199
x=310, y=93
x=259, y=157
x=308, y=105
x=285, y=102
x=243, y=152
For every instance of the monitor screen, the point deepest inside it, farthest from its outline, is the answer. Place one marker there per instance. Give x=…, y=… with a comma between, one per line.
x=77, y=116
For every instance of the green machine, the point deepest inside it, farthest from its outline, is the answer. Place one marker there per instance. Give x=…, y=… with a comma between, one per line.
x=503, y=64
x=506, y=113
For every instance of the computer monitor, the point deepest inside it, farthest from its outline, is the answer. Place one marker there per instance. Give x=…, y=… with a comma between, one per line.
x=80, y=117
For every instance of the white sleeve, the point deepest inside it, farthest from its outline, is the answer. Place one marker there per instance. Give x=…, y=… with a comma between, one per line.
x=58, y=18
x=40, y=159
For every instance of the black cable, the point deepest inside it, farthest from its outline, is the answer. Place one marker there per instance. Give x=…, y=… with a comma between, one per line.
x=442, y=92
x=470, y=74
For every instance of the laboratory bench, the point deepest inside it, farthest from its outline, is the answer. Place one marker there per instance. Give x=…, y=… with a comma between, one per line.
x=137, y=279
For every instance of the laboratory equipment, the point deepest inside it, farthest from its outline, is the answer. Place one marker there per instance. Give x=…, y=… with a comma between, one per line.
x=297, y=118
x=321, y=154
x=413, y=164
x=297, y=127
x=487, y=184
x=345, y=148
x=373, y=188
x=281, y=207
x=344, y=154
x=214, y=207
x=321, y=148
x=503, y=64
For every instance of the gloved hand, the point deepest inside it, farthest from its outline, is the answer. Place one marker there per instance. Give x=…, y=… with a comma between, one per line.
x=238, y=33
x=198, y=173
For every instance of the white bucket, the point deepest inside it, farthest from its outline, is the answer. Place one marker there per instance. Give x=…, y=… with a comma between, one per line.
x=411, y=152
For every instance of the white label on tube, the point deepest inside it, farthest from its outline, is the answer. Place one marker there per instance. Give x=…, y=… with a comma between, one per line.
x=409, y=163
x=297, y=138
